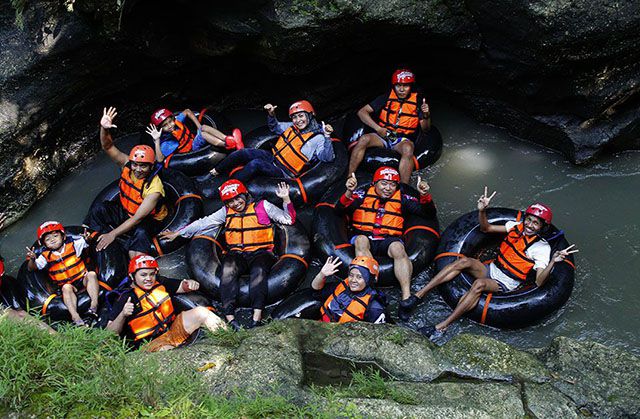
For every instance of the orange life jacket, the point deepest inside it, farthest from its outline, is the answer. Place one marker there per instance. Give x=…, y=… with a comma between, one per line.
x=66, y=267
x=400, y=116
x=243, y=232
x=353, y=312
x=288, y=150
x=156, y=315
x=384, y=220
x=184, y=137
x=131, y=192
x=511, y=258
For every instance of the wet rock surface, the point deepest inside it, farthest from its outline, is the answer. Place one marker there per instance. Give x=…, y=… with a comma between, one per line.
x=470, y=376
x=562, y=74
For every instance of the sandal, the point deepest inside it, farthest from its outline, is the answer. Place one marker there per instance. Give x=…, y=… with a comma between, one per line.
x=80, y=323
x=91, y=313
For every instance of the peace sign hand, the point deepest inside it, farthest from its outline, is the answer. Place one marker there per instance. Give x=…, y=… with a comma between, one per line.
x=31, y=253
x=483, y=201
x=560, y=255
x=330, y=266
x=107, y=118
x=154, y=132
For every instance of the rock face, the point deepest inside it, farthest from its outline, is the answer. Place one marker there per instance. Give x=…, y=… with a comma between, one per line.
x=470, y=376
x=562, y=74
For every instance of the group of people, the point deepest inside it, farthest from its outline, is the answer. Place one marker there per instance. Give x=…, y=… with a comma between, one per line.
x=376, y=212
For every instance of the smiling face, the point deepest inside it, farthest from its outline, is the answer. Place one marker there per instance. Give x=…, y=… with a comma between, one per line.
x=402, y=90
x=141, y=170
x=356, y=280
x=145, y=278
x=53, y=240
x=238, y=204
x=386, y=188
x=532, y=225
x=168, y=125
x=300, y=120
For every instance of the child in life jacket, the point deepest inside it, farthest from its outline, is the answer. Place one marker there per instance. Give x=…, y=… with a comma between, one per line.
x=248, y=232
x=62, y=257
x=145, y=311
x=171, y=135
x=353, y=299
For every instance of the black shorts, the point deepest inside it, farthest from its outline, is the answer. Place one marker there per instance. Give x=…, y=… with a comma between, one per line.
x=380, y=247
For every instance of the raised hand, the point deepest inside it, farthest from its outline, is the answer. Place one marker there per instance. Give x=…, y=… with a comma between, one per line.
x=330, y=266
x=560, y=255
x=425, y=108
x=282, y=191
x=31, y=253
x=154, y=132
x=327, y=129
x=127, y=309
x=423, y=186
x=271, y=110
x=483, y=201
x=352, y=183
x=85, y=234
x=169, y=235
x=107, y=118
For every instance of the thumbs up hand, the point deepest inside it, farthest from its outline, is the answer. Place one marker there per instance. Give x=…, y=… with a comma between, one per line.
x=425, y=109
x=352, y=183
x=423, y=186
x=127, y=310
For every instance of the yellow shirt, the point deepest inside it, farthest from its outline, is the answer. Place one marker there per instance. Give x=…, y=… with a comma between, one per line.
x=155, y=186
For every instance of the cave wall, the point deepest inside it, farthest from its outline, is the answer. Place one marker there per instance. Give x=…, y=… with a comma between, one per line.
x=564, y=74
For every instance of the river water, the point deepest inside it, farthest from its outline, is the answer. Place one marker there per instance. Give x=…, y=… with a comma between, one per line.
x=596, y=206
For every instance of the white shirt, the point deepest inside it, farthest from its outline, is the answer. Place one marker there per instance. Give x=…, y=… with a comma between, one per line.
x=79, y=244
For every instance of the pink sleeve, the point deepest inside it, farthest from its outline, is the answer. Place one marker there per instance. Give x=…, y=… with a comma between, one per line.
x=261, y=213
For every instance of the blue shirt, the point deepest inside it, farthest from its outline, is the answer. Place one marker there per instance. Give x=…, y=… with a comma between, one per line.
x=168, y=143
x=318, y=147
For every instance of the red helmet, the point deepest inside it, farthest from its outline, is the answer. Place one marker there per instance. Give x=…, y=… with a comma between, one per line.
x=403, y=76
x=301, y=106
x=230, y=189
x=142, y=262
x=540, y=211
x=158, y=117
x=142, y=154
x=368, y=263
x=48, y=227
x=386, y=172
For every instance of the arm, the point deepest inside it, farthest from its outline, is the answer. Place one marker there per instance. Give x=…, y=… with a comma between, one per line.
x=106, y=140
x=319, y=146
x=189, y=113
x=148, y=204
x=116, y=325
x=277, y=127
x=558, y=256
x=351, y=199
x=365, y=116
x=286, y=215
x=210, y=222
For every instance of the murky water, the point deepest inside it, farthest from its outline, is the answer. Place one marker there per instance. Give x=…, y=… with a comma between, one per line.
x=596, y=206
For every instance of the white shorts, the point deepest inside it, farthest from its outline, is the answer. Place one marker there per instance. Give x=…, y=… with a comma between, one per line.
x=507, y=283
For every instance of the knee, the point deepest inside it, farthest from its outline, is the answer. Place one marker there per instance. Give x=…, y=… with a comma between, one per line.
x=361, y=242
x=397, y=251
x=478, y=286
x=406, y=149
x=363, y=142
x=67, y=288
x=200, y=314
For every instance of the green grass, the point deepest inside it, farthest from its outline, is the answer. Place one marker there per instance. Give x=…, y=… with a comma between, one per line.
x=228, y=337
x=367, y=384
x=88, y=373
x=397, y=337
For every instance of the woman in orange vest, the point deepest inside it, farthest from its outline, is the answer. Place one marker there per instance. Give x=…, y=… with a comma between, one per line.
x=302, y=142
x=523, y=254
x=171, y=135
x=145, y=311
x=353, y=299
x=393, y=121
x=377, y=213
x=248, y=232
x=139, y=209
x=62, y=257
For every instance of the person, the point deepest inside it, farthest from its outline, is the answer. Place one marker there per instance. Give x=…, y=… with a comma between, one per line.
x=377, y=212
x=145, y=311
x=62, y=257
x=301, y=143
x=523, y=254
x=171, y=135
x=248, y=232
x=353, y=299
x=10, y=312
x=140, y=208
x=398, y=118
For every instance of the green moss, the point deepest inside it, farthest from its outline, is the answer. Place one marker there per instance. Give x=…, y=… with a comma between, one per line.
x=228, y=338
x=19, y=6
